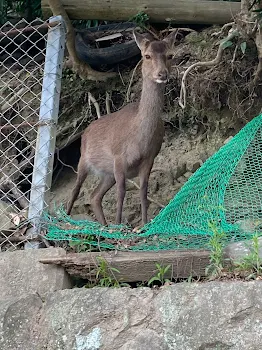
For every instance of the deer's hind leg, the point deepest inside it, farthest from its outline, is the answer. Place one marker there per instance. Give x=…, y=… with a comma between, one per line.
x=106, y=182
x=81, y=176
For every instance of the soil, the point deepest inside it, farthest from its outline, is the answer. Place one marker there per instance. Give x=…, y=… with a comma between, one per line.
x=220, y=103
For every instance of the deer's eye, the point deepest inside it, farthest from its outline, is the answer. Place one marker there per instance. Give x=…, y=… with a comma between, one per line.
x=169, y=57
x=147, y=57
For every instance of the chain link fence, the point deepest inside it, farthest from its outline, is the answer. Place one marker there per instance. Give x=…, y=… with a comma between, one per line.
x=31, y=56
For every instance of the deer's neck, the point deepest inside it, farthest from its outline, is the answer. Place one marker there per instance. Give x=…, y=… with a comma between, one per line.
x=152, y=100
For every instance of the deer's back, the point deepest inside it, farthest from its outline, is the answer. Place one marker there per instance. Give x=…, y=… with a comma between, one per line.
x=121, y=134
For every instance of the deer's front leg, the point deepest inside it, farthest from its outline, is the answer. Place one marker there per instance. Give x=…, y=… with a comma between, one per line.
x=144, y=174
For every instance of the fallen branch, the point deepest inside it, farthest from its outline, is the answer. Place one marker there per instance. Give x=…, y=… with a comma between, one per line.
x=214, y=62
x=18, y=195
x=13, y=175
x=13, y=240
x=9, y=104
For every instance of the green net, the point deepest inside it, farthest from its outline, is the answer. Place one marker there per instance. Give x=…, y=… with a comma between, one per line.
x=224, y=195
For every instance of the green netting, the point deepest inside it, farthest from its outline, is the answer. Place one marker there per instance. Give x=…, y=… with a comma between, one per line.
x=225, y=193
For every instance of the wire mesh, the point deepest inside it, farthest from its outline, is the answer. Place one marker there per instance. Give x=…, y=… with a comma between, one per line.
x=22, y=59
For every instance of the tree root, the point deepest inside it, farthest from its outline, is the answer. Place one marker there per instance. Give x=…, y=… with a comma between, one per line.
x=258, y=41
x=214, y=62
x=81, y=68
x=94, y=101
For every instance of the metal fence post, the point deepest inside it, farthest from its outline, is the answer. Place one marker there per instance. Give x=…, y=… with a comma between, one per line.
x=46, y=138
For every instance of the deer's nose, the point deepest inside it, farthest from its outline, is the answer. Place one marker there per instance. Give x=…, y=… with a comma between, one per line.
x=162, y=75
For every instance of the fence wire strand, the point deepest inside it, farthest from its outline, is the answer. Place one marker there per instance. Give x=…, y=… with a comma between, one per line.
x=22, y=59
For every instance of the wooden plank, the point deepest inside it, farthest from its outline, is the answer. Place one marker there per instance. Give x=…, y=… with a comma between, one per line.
x=165, y=11
x=136, y=266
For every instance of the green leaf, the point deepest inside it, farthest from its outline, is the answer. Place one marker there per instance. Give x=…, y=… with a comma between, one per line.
x=167, y=268
x=226, y=44
x=243, y=47
x=158, y=266
x=114, y=269
x=153, y=279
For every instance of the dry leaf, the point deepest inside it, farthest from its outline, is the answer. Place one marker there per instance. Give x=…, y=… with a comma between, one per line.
x=109, y=37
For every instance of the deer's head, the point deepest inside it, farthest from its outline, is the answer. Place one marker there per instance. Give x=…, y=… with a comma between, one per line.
x=157, y=56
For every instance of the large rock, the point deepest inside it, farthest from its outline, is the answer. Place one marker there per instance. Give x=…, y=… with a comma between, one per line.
x=22, y=274
x=197, y=316
x=19, y=319
x=237, y=251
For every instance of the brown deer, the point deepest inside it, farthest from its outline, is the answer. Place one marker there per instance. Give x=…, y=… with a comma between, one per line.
x=125, y=143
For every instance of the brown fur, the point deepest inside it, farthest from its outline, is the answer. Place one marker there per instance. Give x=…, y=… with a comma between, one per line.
x=124, y=144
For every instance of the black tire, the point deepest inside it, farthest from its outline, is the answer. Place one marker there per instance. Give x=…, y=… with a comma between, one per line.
x=109, y=55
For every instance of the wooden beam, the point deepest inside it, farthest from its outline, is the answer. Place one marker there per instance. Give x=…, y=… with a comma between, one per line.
x=136, y=266
x=165, y=11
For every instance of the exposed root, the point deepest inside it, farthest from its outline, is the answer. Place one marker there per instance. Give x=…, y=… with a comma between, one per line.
x=108, y=111
x=225, y=26
x=80, y=67
x=94, y=101
x=258, y=41
x=66, y=165
x=214, y=62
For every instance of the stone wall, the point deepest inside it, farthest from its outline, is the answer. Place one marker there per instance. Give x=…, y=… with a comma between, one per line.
x=37, y=313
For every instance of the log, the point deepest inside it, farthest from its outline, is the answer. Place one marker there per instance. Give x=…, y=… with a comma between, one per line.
x=135, y=266
x=165, y=11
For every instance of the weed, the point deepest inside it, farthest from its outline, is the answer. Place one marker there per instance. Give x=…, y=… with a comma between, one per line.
x=105, y=276
x=216, y=256
x=79, y=247
x=251, y=264
x=160, y=276
x=140, y=19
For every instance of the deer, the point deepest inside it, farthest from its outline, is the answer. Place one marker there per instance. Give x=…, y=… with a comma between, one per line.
x=123, y=144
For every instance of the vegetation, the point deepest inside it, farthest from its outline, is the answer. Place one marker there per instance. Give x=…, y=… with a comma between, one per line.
x=160, y=275
x=216, y=255
x=105, y=276
x=249, y=267
x=28, y=9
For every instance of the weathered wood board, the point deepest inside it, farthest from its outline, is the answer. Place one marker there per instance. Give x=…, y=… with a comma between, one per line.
x=165, y=11
x=136, y=266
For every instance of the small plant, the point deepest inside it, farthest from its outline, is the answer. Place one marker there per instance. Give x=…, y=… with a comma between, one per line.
x=79, y=247
x=160, y=276
x=216, y=255
x=105, y=276
x=251, y=264
x=140, y=19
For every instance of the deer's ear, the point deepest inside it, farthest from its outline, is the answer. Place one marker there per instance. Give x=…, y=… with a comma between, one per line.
x=171, y=38
x=142, y=40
